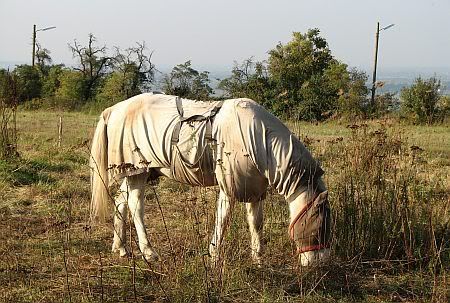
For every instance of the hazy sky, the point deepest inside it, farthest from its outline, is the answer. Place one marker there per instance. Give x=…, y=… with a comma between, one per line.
x=216, y=33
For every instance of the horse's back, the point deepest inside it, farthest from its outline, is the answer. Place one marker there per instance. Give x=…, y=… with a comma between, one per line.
x=258, y=145
x=253, y=148
x=140, y=133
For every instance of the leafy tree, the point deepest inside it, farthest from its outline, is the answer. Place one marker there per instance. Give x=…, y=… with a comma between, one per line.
x=296, y=67
x=71, y=88
x=93, y=65
x=301, y=79
x=320, y=94
x=317, y=100
x=29, y=83
x=421, y=99
x=352, y=101
x=113, y=90
x=184, y=81
x=52, y=81
x=135, y=68
x=251, y=80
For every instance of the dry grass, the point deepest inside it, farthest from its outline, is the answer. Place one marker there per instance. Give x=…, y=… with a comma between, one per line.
x=390, y=205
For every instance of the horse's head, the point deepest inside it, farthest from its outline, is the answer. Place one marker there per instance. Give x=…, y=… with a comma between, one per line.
x=310, y=226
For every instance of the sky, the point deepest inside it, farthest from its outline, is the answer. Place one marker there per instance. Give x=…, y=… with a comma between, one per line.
x=216, y=33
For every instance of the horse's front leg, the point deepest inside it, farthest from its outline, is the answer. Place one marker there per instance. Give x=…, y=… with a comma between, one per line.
x=120, y=215
x=224, y=207
x=136, y=205
x=255, y=222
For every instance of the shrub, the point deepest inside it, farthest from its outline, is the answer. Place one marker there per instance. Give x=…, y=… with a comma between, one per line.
x=71, y=88
x=8, y=109
x=443, y=109
x=421, y=99
x=29, y=83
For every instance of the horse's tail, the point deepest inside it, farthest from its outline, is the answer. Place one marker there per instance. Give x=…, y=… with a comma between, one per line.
x=100, y=196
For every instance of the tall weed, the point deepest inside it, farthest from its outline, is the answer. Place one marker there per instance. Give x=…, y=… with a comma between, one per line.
x=387, y=204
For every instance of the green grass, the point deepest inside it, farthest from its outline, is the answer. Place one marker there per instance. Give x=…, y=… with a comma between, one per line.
x=50, y=253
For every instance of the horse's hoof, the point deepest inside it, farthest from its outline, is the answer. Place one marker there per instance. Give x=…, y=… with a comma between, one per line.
x=150, y=255
x=121, y=250
x=257, y=262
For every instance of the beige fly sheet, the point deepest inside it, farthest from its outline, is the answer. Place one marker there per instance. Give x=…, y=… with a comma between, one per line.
x=256, y=149
x=140, y=134
x=249, y=148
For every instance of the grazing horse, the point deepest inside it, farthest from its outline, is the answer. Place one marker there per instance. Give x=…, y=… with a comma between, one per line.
x=235, y=144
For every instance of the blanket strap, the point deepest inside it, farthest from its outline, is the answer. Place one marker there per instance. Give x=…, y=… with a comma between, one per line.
x=179, y=105
x=177, y=129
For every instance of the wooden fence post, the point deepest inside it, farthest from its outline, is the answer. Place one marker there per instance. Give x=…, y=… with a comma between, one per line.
x=59, y=131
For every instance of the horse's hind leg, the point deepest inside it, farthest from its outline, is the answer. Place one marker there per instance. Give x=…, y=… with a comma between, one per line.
x=120, y=215
x=224, y=206
x=255, y=223
x=136, y=186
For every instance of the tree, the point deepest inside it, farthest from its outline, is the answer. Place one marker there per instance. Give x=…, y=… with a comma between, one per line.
x=295, y=68
x=71, y=90
x=249, y=79
x=352, y=90
x=421, y=99
x=317, y=100
x=184, y=81
x=52, y=81
x=43, y=59
x=113, y=90
x=93, y=65
x=29, y=83
x=134, y=70
x=298, y=69
x=301, y=79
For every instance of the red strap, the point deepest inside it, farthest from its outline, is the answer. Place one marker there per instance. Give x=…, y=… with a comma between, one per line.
x=312, y=248
x=298, y=217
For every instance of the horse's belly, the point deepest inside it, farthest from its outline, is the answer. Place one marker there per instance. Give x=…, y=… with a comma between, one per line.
x=238, y=176
x=199, y=173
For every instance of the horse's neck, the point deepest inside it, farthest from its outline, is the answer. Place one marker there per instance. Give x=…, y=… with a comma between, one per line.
x=298, y=203
x=304, y=195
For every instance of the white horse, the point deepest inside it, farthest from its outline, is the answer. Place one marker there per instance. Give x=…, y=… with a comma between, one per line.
x=235, y=144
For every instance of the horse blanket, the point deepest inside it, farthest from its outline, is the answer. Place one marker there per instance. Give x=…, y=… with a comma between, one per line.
x=249, y=148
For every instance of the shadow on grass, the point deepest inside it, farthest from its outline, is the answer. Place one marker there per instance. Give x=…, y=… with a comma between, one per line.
x=20, y=172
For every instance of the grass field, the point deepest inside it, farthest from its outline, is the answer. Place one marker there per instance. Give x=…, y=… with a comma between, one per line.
x=389, y=190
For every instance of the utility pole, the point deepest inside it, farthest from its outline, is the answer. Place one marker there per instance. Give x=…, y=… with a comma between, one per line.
x=34, y=45
x=33, y=55
x=374, y=76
